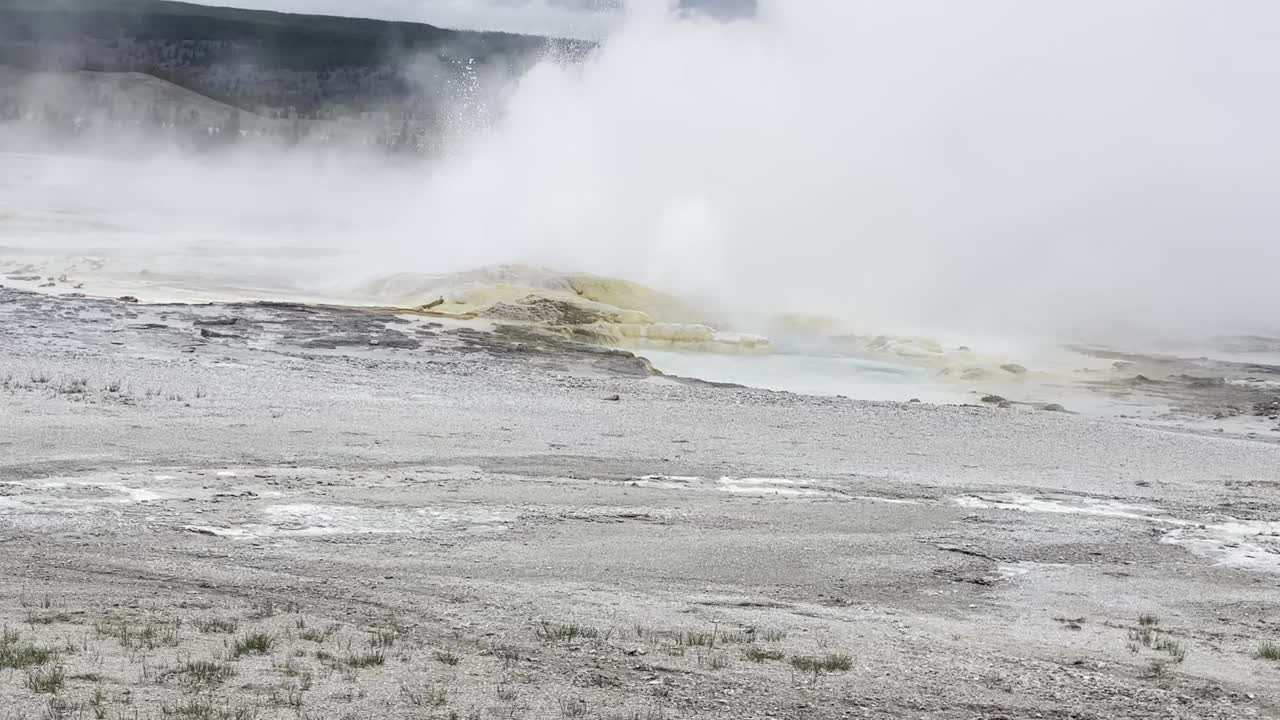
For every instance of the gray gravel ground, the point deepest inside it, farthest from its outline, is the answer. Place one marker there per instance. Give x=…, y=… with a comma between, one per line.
x=434, y=521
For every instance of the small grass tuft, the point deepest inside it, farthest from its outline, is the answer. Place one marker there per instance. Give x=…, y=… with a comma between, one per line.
x=565, y=632
x=77, y=386
x=696, y=639
x=46, y=680
x=150, y=635
x=1175, y=648
x=364, y=660
x=830, y=663
x=382, y=638
x=448, y=657
x=654, y=712
x=433, y=695
x=1143, y=636
x=319, y=635
x=1148, y=620
x=759, y=654
x=98, y=703
x=254, y=644
x=16, y=655
x=46, y=618
x=195, y=709
x=573, y=707
x=263, y=609
x=206, y=673
x=1155, y=669
x=508, y=654
x=1268, y=650
x=216, y=625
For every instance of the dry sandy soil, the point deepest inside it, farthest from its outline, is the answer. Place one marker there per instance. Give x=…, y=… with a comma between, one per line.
x=277, y=511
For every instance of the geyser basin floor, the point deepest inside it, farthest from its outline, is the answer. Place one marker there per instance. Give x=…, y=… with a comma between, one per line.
x=455, y=521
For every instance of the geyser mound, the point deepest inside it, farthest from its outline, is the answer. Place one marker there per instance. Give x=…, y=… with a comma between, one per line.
x=584, y=306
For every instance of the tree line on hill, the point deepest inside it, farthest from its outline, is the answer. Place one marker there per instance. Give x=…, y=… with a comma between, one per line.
x=305, y=71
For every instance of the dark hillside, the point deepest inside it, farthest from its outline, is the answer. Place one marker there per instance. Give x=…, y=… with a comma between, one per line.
x=265, y=61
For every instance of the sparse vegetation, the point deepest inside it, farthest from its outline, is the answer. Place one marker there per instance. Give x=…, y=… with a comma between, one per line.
x=679, y=639
x=1173, y=647
x=1143, y=636
x=448, y=657
x=369, y=659
x=17, y=655
x=197, y=709
x=46, y=617
x=382, y=638
x=206, y=673
x=759, y=654
x=254, y=644
x=1268, y=650
x=150, y=635
x=769, y=634
x=573, y=707
x=319, y=635
x=650, y=713
x=98, y=703
x=567, y=632
x=730, y=638
x=288, y=695
x=1071, y=623
x=433, y=695
x=1146, y=635
x=289, y=668
x=75, y=386
x=46, y=680
x=696, y=639
x=508, y=654
x=264, y=609
x=215, y=625
x=816, y=665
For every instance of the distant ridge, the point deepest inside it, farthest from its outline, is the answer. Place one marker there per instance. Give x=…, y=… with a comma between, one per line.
x=257, y=59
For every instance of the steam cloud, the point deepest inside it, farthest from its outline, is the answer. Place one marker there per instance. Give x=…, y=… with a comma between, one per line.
x=1055, y=167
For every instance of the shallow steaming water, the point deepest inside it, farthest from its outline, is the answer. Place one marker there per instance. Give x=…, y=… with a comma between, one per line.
x=810, y=375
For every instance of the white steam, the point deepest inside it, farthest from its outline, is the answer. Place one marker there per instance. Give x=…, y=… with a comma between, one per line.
x=1084, y=166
